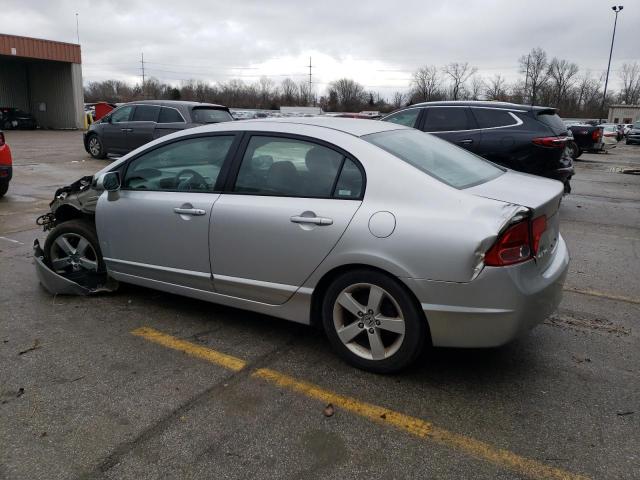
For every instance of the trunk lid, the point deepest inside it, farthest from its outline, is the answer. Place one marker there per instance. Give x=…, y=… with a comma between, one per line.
x=541, y=195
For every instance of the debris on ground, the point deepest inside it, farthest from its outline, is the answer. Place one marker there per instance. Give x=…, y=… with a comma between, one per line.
x=20, y=392
x=36, y=345
x=622, y=414
x=329, y=410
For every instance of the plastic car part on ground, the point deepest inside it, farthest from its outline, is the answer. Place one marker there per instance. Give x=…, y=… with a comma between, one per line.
x=57, y=284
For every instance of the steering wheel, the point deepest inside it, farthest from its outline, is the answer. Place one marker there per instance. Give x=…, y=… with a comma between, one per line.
x=194, y=181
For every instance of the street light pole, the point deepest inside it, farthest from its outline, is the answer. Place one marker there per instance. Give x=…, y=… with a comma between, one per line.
x=616, y=9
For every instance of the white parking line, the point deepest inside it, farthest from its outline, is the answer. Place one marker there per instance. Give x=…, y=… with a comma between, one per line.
x=11, y=240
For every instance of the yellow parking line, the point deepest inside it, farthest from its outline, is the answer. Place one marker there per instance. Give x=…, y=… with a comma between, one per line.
x=198, y=351
x=595, y=293
x=412, y=425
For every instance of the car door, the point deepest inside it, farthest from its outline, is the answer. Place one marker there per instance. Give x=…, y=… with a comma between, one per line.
x=504, y=138
x=157, y=225
x=452, y=123
x=114, y=130
x=290, y=202
x=142, y=126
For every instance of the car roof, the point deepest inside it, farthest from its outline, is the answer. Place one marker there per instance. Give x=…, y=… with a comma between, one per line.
x=351, y=126
x=175, y=103
x=478, y=103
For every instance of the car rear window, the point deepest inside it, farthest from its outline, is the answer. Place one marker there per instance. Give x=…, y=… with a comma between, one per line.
x=170, y=115
x=210, y=115
x=551, y=119
x=450, y=164
x=492, y=118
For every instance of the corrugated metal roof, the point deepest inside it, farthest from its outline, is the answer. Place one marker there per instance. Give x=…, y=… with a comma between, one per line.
x=27, y=47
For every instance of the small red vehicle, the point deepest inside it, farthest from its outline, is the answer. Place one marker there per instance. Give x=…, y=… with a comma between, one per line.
x=6, y=165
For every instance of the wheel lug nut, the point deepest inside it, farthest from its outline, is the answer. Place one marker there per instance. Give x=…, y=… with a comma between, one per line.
x=361, y=325
x=371, y=330
x=377, y=322
x=370, y=312
x=360, y=314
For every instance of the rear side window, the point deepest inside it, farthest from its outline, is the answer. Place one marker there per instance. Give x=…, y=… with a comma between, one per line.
x=491, y=118
x=446, y=119
x=436, y=157
x=210, y=115
x=296, y=168
x=145, y=113
x=406, y=117
x=170, y=115
x=551, y=119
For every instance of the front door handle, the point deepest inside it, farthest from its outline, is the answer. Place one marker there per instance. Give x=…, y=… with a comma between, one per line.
x=467, y=141
x=189, y=211
x=126, y=129
x=312, y=220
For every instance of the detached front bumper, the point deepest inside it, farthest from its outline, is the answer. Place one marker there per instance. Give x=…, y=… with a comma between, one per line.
x=56, y=284
x=495, y=308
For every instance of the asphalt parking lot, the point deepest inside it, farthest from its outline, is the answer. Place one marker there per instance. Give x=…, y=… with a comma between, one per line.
x=142, y=384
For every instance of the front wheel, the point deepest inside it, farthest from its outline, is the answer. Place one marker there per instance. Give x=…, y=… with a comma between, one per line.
x=72, y=250
x=372, y=321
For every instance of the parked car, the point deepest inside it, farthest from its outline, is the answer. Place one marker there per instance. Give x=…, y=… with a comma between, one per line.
x=610, y=134
x=588, y=138
x=524, y=138
x=634, y=134
x=6, y=165
x=298, y=218
x=14, y=118
x=627, y=128
x=133, y=124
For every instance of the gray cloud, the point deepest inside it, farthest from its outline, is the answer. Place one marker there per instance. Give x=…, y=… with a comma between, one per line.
x=378, y=43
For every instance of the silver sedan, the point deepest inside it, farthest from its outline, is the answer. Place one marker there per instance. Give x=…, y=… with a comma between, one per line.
x=389, y=238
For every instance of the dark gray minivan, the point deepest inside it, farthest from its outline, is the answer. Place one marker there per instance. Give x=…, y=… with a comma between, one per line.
x=133, y=124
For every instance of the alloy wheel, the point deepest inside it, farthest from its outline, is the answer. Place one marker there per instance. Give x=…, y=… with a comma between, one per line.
x=94, y=146
x=369, y=321
x=71, y=252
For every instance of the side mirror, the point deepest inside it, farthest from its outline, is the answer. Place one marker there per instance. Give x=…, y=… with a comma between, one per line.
x=109, y=181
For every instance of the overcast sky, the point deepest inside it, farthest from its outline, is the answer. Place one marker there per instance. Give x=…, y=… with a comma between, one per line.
x=378, y=43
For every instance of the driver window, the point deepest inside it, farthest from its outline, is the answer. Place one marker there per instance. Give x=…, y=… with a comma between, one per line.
x=187, y=165
x=120, y=115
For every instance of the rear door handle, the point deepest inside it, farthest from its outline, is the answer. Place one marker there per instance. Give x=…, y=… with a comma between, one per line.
x=189, y=211
x=467, y=141
x=312, y=220
x=126, y=129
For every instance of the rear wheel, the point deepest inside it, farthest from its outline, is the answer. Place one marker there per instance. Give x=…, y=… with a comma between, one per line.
x=72, y=250
x=373, y=322
x=96, y=148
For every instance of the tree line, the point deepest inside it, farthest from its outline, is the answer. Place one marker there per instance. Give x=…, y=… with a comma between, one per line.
x=554, y=82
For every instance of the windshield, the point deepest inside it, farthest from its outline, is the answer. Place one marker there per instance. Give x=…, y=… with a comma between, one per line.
x=636, y=125
x=551, y=119
x=210, y=115
x=435, y=157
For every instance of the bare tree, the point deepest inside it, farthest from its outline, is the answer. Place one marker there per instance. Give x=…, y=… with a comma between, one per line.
x=305, y=95
x=496, y=88
x=535, y=67
x=289, y=92
x=477, y=87
x=397, y=100
x=630, y=76
x=562, y=73
x=350, y=94
x=265, y=88
x=458, y=73
x=426, y=83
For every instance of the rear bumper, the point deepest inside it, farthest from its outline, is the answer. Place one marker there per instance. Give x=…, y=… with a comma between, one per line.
x=563, y=174
x=498, y=306
x=633, y=138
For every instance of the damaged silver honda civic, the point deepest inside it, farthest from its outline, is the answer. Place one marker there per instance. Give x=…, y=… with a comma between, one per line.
x=388, y=238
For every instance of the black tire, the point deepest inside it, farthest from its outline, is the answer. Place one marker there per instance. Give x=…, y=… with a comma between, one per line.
x=4, y=187
x=579, y=152
x=573, y=150
x=416, y=330
x=567, y=187
x=80, y=228
x=99, y=151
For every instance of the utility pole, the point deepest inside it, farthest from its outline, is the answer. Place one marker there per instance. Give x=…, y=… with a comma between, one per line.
x=310, y=94
x=142, y=63
x=77, y=29
x=526, y=76
x=617, y=9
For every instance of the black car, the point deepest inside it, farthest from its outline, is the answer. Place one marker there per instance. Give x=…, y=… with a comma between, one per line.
x=526, y=138
x=13, y=118
x=133, y=124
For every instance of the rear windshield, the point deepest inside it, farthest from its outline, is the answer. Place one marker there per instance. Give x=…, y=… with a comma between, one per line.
x=551, y=119
x=435, y=157
x=210, y=115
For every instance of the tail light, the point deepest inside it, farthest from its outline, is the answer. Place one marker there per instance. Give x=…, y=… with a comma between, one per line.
x=553, y=142
x=596, y=135
x=1, y=139
x=517, y=243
